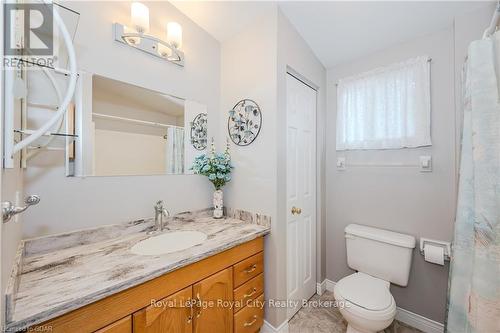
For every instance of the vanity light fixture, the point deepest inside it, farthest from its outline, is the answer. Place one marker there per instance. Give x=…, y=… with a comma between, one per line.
x=139, y=14
x=174, y=34
x=137, y=36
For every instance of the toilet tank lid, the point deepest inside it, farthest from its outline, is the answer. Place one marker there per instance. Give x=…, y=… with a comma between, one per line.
x=385, y=236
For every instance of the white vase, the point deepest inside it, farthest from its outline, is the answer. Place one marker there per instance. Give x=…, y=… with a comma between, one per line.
x=218, y=204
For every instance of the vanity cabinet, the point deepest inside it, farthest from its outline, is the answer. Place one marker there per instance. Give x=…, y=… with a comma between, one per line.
x=222, y=293
x=201, y=308
x=213, y=296
x=248, y=294
x=248, y=268
x=123, y=325
x=170, y=314
x=250, y=318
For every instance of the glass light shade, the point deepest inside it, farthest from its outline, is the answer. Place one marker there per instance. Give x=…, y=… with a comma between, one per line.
x=174, y=34
x=140, y=16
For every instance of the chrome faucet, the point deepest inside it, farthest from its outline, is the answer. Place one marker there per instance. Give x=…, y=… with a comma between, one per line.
x=160, y=213
x=9, y=210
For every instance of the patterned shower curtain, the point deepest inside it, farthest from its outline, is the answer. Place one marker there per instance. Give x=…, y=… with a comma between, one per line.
x=474, y=294
x=175, y=150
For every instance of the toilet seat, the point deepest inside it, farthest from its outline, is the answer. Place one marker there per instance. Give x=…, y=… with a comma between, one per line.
x=366, y=296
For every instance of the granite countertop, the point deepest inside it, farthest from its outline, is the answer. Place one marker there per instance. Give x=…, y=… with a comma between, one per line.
x=56, y=274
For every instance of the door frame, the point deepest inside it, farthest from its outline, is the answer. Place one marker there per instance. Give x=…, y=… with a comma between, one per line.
x=317, y=174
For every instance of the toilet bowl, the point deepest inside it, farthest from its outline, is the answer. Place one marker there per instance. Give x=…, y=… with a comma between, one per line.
x=366, y=303
x=380, y=257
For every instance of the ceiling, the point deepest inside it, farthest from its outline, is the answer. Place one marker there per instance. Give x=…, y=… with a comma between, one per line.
x=223, y=19
x=336, y=31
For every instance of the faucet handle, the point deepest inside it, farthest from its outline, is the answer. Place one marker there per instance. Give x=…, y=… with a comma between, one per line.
x=165, y=212
x=9, y=209
x=32, y=200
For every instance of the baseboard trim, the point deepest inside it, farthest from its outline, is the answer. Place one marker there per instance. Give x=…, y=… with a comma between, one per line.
x=420, y=322
x=268, y=328
x=410, y=318
x=321, y=287
x=329, y=285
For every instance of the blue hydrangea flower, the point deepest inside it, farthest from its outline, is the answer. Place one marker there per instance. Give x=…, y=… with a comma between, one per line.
x=216, y=166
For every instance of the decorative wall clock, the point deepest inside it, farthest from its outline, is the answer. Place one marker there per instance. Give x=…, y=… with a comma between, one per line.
x=244, y=122
x=199, y=131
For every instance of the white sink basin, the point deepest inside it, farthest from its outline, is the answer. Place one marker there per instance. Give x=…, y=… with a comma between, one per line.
x=168, y=243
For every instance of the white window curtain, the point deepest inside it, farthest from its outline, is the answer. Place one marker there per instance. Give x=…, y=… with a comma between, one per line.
x=386, y=108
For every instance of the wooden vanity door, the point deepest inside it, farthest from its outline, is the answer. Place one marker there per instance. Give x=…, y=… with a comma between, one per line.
x=211, y=316
x=172, y=314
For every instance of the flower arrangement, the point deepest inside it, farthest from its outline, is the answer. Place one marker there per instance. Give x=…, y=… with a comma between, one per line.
x=216, y=166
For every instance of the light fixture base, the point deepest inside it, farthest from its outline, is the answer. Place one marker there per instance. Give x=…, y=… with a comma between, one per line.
x=148, y=44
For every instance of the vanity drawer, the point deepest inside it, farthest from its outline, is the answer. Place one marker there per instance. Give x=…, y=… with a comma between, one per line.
x=248, y=268
x=250, y=318
x=248, y=292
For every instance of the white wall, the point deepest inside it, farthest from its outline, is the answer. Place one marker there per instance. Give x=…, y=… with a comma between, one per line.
x=259, y=179
x=247, y=73
x=72, y=203
x=403, y=199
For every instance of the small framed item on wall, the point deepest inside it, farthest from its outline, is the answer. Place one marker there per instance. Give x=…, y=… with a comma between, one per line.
x=244, y=122
x=199, y=132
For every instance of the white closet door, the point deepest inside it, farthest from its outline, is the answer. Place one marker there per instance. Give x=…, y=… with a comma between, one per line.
x=301, y=192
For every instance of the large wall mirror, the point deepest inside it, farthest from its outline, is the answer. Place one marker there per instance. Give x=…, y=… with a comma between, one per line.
x=137, y=131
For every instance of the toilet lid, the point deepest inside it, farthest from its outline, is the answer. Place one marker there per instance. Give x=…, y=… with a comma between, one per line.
x=365, y=291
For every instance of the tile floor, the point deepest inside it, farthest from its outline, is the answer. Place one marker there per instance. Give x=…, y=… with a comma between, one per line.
x=329, y=320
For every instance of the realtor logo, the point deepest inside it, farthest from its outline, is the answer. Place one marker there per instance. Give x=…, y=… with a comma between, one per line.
x=28, y=29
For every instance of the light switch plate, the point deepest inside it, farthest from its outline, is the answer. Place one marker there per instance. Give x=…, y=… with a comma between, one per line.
x=425, y=163
x=341, y=163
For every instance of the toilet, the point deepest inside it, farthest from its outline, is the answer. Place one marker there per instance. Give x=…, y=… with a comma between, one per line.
x=380, y=258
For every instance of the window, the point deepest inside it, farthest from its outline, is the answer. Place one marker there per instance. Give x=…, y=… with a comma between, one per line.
x=386, y=108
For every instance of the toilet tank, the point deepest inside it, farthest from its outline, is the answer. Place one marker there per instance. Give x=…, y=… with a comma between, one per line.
x=379, y=253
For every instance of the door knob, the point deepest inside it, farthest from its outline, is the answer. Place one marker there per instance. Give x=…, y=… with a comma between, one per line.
x=296, y=211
